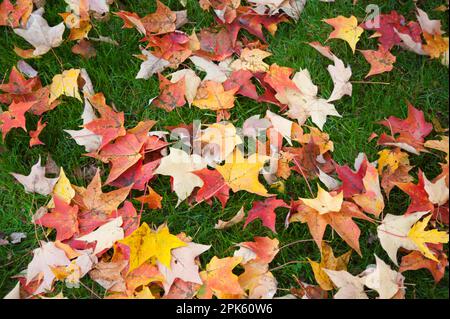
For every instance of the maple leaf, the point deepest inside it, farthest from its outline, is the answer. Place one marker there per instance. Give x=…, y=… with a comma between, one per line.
x=324, y=50
x=362, y=186
x=110, y=124
x=213, y=186
x=221, y=140
x=241, y=79
x=36, y=182
x=411, y=131
x=145, y=243
x=44, y=258
x=350, y=287
x=162, y=21
x=14, y=15
x=215, y=45
x=171, y=94
x=304, y=103
x=346, y=29
x=258, y=281
x=14, y=117
x=174, y=47
x=131, y=20
x=63, y=218
x=152, y=199
x=429, y=26
x=18, y=85
x=330, y=262
x=85, y=137
x=384, y=280
x=219, y=280
x=40, y=35
x=183, y=265
x=262, y=250
x=180, y=166
x=416, y=260
x=394, y=167
x=420, y=236
x=251, y=60
x=96, y=206
x=65, y=84
x=265, y=211
x=419, y=196
x=380, y=61
x=105, y=236
x=214, y=72
x=129, y=216
x=125, y=151
x=35, y=134
x=191, y=83
x=151, y=65
x=394, y=233
x=242, y=173
x=330, y=210
x=253, y=22
x=341, y=79
x=85, y=49
x=390, y=26
x=436, y=45
x=108, y=275
x=212, y=96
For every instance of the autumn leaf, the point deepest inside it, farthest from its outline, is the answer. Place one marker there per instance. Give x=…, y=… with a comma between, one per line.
x=36, y=182
x=212, y=96
x=14, y=117
x=265, y=211
x=420, y=236
x=110, y=124
x=330, y=210
x=380, y=61
x=346, y=29
x=35, y=134
x=63, y=218
x=242, y=173
x=152, y=199
x=65, y=84
x=330, y=262
x=219, y=280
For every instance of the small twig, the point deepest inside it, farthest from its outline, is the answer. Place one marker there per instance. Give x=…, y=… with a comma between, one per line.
x=288, y=263
x=370, y=82
x=296, y=242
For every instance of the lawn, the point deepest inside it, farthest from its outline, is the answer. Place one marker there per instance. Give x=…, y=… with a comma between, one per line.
x=415, y=78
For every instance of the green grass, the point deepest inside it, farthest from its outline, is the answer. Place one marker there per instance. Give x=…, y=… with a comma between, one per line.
x=422, y=81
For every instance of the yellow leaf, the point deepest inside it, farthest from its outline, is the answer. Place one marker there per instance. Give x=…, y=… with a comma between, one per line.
x=242, y=173
x=251, y=60
x=346, y=29
x=145, y=244
x=324, y=202
x=212, y=96
x=436, y=45
x=330, y=262
x=65, y=84
x=420, y=236
x=63, y=189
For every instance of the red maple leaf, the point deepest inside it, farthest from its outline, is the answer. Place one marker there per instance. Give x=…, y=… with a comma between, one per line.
x=411, y=131
x=63, y=218
x=213, y=186
x=110, y=124
x=14, y=117
x=265, y=211
x=242, y=79
x=385, y=25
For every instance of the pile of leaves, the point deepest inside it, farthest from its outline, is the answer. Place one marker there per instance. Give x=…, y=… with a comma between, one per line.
x=99, y=234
